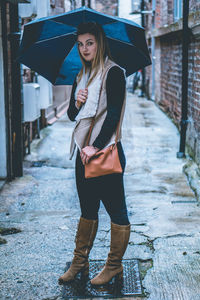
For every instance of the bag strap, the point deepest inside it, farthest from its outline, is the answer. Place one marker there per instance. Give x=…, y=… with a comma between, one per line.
x=90, y=132
x=93, y=119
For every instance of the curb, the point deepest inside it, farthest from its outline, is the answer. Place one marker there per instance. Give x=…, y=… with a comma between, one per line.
x=192, y=172
x=2, y=183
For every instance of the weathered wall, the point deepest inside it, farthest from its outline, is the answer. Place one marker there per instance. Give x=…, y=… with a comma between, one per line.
x=170, y=79
x=194, y=5
x=193, y=132
x=168, y=68
x=107, y=6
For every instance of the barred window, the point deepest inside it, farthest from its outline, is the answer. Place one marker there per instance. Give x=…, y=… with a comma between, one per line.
x=178, y=9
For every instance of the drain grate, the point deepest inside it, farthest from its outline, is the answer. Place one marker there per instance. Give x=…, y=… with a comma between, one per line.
x=182, y=201
x=81, y=288
x=38, y=164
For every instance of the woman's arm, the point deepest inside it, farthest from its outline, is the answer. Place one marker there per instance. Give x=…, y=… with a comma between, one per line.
x=115, y=90
x=72, y=111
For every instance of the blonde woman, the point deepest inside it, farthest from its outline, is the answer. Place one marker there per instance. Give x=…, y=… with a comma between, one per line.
x=98, y=92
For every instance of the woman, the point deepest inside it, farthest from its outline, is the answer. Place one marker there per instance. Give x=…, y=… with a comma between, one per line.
x=98, y=92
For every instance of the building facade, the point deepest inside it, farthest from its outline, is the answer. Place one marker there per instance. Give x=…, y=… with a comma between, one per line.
x=164, y=34
x=20, y=116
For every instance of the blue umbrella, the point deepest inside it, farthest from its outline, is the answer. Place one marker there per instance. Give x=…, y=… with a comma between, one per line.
x=49, y=46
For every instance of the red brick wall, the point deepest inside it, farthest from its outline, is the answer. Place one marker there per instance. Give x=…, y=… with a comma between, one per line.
x=164, y=12
x=170, y=11
x=194, y=84
x=170, y=82
x=107, y=6
x=158, y=15
x=168, y=61
x=194, y=5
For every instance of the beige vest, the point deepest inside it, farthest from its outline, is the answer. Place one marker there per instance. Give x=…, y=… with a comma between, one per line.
x=81, y=130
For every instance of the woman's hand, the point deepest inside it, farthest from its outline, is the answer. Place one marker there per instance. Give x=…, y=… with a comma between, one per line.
x=81, y=97
x=87, y=153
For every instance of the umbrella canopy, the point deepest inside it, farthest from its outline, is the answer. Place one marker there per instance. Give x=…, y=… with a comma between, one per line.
x=49, y=46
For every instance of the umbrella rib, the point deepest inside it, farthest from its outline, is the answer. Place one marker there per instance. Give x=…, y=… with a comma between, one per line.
x=129, y=45
x=56, y=37
x=67, y=25
x=120, y=41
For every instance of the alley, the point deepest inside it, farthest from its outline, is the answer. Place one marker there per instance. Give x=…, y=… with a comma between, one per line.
x=163, y=212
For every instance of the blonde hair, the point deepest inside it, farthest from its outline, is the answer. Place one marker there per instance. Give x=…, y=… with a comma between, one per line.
x=101, y=53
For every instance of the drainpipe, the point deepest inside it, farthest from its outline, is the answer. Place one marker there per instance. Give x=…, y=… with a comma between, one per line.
x=143, y=88
x=6, y=89
x=153, y=50
x=17, y=135
x=184, y=104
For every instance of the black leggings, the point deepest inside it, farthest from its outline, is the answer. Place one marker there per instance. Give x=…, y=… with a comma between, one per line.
x=108, y=188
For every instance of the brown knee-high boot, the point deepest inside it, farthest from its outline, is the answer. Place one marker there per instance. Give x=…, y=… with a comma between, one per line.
x=119, y=240
x=85, y=236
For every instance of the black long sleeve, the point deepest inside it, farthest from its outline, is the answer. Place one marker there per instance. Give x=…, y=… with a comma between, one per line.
x=72, y=111
x=115, y=90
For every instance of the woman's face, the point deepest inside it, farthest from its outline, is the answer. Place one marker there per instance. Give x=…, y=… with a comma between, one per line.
x=87, y=46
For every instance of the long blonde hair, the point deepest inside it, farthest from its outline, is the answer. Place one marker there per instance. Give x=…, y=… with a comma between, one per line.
x=102, y=49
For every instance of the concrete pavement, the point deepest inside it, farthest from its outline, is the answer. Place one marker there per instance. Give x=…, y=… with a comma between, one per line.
x=163, y=212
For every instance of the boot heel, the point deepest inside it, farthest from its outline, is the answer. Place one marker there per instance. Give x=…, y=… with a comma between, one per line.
x=85, y=272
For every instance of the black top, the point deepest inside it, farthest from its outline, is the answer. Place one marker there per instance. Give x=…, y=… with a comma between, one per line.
x=115, y=90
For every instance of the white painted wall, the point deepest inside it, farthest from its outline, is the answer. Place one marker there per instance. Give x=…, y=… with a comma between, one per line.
x=43, y=8
x=3, y=157
x=67, y=5
x=28, y=9
x=124, y=10
x=37, y=8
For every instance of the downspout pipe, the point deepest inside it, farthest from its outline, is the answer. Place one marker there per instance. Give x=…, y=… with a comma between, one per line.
x=17, y=134
x=153, y=50
x=6, y=90
x=143, y=89
x=184, y=104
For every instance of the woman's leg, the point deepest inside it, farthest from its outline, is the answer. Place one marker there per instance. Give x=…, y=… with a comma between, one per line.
x=112, y=193
x=87, y=226
x=113, y=198
x=88, y=192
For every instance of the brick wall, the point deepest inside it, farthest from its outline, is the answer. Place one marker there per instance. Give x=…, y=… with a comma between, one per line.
x=193, y=131
x=194, y=5
x=171, y=71
x=107, y=6
x=164, y=12
x=168, y=73
x=158, y=15
x=170, y=11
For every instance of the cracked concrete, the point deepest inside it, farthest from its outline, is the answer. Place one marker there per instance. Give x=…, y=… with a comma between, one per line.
x=163, y=212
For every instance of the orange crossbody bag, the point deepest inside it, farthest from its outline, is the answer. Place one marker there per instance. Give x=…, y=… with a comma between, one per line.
x=105, y=161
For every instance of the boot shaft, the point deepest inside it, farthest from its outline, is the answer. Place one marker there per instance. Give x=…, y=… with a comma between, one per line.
x=120, y=235
x=85, y=236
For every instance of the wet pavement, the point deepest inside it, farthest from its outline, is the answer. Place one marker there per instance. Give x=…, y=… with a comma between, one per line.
x=163, y=212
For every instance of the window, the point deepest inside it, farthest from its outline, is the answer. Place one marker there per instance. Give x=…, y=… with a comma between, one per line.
x=136, y=5
x=178, y=10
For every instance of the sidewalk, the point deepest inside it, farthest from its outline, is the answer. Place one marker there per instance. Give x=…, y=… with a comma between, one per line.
x=163, y=212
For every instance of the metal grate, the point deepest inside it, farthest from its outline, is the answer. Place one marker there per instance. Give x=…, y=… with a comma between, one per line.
x=38, y=164
x=81, y=288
